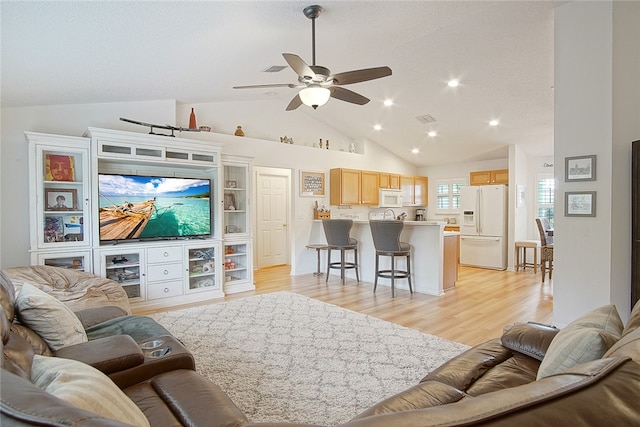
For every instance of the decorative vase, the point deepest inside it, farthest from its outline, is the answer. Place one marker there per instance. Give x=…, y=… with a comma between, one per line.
x=239, y=131
x=192, y=120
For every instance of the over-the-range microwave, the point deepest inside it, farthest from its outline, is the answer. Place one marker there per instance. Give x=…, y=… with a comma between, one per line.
x=390, y=198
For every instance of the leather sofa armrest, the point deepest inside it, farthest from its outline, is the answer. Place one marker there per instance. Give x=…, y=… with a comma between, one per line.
x=110, y=354
x=92, y=316
x=531, y=339
x=24, y=404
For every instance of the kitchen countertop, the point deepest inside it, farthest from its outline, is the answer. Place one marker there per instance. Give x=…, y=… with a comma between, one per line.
x=427, y=242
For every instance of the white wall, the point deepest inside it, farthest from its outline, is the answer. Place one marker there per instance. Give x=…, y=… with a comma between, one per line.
x=596, y=112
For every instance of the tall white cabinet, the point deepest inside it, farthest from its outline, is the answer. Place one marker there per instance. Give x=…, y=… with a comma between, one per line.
x=238, y=236
x=59, y=201
x=64, y=215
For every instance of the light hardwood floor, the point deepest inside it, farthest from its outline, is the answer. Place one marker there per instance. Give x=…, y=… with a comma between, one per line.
x=476, y=310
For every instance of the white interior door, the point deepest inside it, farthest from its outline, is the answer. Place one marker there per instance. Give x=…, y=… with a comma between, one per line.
x=272, y=207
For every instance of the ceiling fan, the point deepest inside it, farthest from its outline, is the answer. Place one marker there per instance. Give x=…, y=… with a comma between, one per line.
x=317, y=82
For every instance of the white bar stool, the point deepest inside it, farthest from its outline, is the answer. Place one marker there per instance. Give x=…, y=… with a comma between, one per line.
x=522, y=246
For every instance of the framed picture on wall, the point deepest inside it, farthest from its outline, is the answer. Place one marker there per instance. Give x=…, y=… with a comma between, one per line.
x=580, y=168
x=311, y=184
x=580, y=203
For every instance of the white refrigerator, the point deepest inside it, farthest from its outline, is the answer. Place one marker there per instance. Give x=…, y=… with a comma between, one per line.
x=483, y=232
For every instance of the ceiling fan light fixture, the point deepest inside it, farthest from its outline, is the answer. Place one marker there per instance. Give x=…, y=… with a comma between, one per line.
x=314, y=96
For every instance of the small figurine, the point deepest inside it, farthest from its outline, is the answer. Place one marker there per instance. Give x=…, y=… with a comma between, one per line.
x=239, y=131
x=327, y=144
x=320, y=143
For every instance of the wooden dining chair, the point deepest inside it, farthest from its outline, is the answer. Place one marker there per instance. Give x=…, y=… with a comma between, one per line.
x=546, y=247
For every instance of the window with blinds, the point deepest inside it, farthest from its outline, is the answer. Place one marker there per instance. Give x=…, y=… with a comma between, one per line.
x=448, y=194
x=545, y=197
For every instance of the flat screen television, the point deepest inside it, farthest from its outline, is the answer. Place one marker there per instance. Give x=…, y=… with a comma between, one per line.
x=135, y=207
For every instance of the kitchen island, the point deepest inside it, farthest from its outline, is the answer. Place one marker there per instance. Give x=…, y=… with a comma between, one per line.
x=427, y=255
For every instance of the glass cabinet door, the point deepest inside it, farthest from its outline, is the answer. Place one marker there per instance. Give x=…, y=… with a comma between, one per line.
x=125, y=267
x=75, y=260
x=234, y=199
x=59, y=193
x=202, y=267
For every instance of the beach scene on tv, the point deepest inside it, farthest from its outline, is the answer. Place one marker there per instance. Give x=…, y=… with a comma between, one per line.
x=144, y=207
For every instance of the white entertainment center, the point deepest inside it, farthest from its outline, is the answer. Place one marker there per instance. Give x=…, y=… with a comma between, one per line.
x=65, y=232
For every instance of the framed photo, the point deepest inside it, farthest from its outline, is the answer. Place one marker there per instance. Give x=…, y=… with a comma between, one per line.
x=311, y=184
x=580, y=203
x=58, y=199
x=231, y=184
x=580, y=168
x=230, y=202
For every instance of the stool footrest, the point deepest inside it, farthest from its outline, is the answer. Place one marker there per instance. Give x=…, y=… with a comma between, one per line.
x=338, y=265
x=393, y=274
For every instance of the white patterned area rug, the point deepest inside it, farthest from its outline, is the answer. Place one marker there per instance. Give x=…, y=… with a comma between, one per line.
x=286, y=357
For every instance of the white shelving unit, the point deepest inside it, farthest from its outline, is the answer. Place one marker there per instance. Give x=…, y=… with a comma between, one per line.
x=172, y=271
x=59, y=200
x=238, y=238
x=155, y=273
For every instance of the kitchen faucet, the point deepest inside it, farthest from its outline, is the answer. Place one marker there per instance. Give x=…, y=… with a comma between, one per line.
x=392, y=213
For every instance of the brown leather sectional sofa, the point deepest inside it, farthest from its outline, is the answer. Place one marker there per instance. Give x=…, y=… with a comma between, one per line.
x=497, y=383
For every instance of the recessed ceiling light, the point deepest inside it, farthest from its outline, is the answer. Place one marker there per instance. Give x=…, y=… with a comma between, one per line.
x=415, y=150
x=432, y=133
x=453, y=83
x=494, y=122
x=377, y=127
x=388, y=102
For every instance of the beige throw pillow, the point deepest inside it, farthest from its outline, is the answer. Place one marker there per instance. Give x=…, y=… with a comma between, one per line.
x=53, y=321
x=85, y=387
x=583, y=340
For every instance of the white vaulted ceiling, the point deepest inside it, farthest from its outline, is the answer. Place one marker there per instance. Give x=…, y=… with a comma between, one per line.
x=195, y=52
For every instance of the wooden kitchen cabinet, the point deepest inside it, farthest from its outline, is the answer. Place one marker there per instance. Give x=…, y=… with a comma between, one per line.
x=369, y=193
x=389, y=180
x=414, y=190
x=451, y=261
x=353, y=187
x=491, y=177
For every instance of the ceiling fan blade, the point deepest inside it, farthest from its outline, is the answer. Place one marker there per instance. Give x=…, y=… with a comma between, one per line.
x=347, y=95
x=299, y=66
x=358, y=76
x=291, y=85
x=295, y=103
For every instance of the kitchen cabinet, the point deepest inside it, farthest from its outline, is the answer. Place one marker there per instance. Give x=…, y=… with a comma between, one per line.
x=490, y=177
x=414, y=190
x=389, y=180
x=353, y=187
